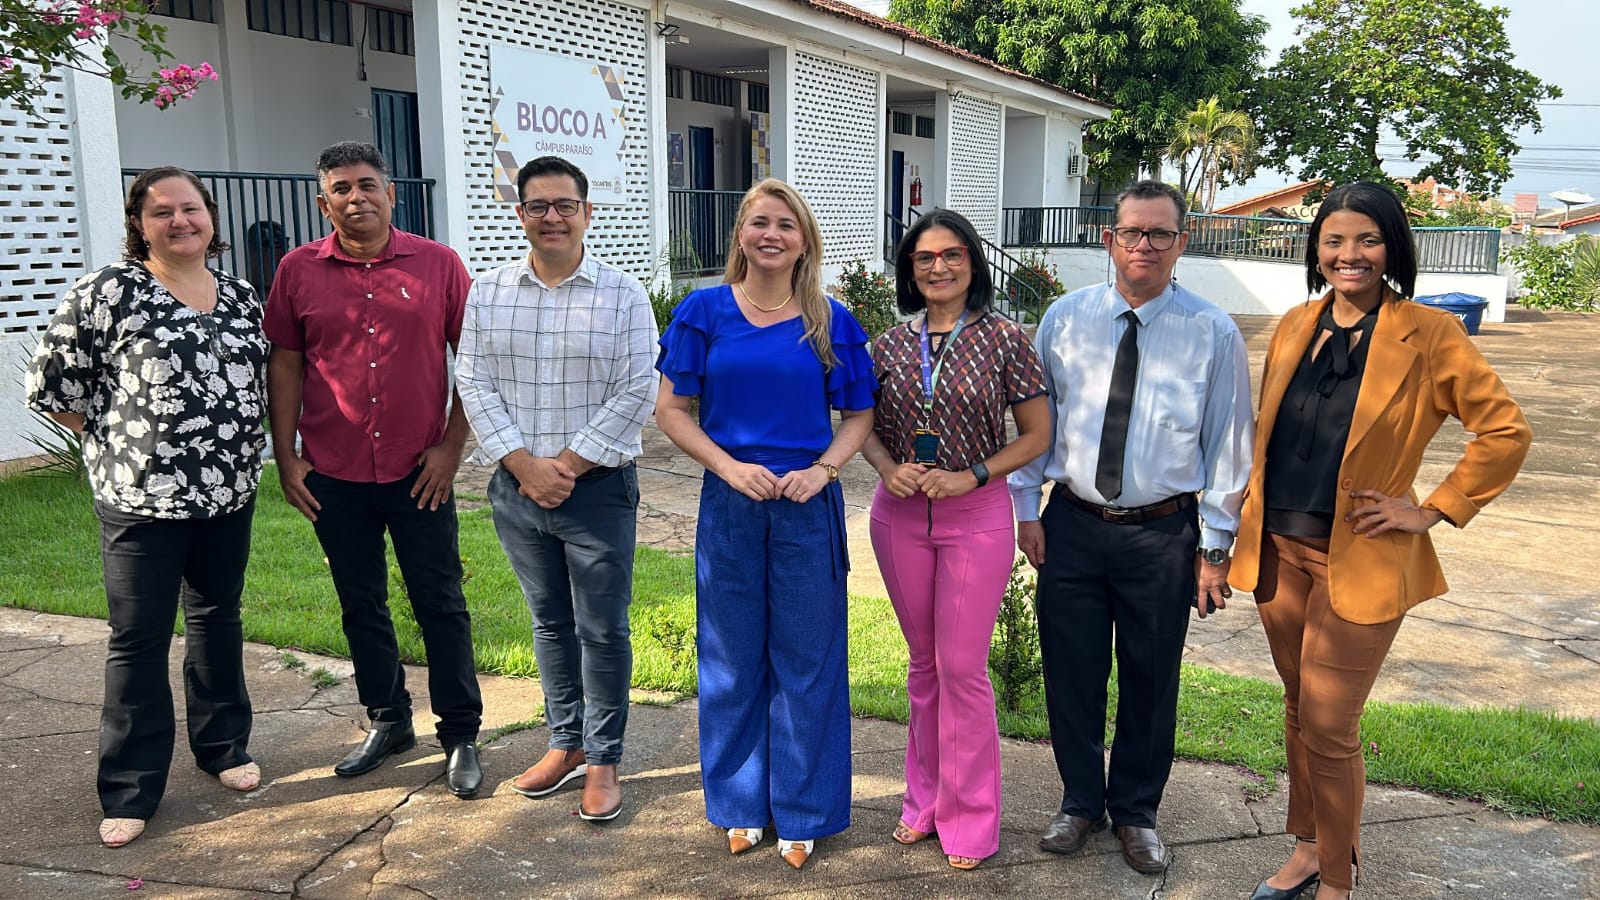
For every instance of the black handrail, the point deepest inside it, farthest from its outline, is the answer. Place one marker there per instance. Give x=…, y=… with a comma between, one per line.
x=1014, y=297
x=265, y=215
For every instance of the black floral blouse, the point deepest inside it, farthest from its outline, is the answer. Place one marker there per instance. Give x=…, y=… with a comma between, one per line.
x=172, y=398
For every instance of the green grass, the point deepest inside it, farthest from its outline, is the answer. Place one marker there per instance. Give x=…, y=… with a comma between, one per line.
x=1519, y=760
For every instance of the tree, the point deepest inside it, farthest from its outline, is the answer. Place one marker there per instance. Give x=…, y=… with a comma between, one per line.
x=1223, y=142
x=39, y=36
x=1151, y=61
x=1436, y=74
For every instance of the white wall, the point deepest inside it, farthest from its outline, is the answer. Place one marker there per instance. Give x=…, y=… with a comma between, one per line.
x=732, y=136
x=299, y=95
x=192, y=133
x=1245, y=287
x=1022, y=180
x=920, y=157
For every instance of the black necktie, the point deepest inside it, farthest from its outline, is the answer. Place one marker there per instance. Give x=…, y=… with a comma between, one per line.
x=1119, y=407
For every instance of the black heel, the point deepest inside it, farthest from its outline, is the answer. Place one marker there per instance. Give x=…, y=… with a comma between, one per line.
x=1265, y=891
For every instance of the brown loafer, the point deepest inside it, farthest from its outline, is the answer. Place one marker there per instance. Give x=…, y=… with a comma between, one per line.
x=602, y=795
x=548, y=774
x=1067, y=834
x=1142, y=850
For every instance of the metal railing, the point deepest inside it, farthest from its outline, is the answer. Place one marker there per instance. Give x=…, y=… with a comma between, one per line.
x=1016, y=294
x=1474, y=250
x=699, y=228
x=263, y=216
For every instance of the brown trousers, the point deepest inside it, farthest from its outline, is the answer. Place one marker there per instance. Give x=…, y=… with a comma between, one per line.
x=1328, y=666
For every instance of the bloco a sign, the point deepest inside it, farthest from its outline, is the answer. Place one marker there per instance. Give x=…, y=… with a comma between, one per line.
x=542, y=104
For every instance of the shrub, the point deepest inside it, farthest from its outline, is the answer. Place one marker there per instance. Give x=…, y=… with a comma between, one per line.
x=665, y=297
x=869, y=296
x=1560, y=276
x=1031, y=287
x=1014, y=660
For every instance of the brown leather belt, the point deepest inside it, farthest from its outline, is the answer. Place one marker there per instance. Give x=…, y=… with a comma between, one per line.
x=1130, y=516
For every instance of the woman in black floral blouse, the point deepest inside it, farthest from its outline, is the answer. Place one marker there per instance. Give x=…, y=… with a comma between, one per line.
x=160, y=363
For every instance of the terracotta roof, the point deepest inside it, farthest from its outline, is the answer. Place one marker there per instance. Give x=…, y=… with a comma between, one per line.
x=1295, y=191
x=1583, y=221
x=855, y=14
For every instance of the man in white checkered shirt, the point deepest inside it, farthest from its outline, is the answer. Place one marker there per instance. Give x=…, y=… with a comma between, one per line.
x=555, y=374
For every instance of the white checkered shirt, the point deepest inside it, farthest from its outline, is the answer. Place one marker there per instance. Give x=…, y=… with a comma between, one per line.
x=551, y=368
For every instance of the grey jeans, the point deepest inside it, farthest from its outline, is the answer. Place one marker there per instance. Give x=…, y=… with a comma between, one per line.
x=575, y=564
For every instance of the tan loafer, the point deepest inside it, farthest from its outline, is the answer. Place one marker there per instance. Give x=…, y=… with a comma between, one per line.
x=602, y=795
x=548, y=774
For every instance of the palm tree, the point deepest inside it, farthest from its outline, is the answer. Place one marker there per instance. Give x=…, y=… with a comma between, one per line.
x=1223, y=141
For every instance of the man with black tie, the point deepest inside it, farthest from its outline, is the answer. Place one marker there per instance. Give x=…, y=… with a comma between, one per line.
x=1150, y=411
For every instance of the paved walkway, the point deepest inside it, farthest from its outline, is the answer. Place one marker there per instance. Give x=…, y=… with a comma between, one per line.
x=1519, y=627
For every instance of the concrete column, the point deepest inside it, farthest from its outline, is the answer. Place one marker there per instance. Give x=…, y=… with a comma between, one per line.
x=441, y=121
x=238, y=93
x=656, y=113
x=92, y=109
x=781, y=91
x=935, y=190
x=881, y=200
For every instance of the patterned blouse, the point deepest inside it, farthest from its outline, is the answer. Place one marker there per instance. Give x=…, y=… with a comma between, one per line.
x=172, y=398
x=994, y=365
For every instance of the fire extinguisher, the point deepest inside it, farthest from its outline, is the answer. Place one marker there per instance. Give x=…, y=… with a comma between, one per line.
x=916, y=192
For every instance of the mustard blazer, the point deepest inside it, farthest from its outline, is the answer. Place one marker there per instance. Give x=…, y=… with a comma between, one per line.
x=1421, y=367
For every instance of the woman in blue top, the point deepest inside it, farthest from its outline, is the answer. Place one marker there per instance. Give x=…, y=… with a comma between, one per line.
x=770, y=355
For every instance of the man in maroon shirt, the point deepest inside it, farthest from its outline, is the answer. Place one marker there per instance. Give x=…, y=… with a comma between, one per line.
x=359, y=322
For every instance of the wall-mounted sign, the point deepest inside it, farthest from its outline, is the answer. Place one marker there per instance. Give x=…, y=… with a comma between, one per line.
x=542, y=104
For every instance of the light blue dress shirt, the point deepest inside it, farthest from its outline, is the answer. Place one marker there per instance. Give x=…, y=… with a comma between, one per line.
x=1191, y=429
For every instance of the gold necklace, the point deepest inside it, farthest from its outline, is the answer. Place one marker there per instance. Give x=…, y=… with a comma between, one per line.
x=746, y=295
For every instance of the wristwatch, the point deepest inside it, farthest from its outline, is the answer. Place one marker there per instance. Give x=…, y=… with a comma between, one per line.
x=831, y=469
x=980, y=472
x=1214, y=556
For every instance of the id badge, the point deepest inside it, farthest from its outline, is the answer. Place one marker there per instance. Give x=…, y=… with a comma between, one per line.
x=925, y=450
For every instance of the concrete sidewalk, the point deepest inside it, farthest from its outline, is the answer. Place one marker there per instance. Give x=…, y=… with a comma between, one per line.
x=1519, y=627
x=397, y=833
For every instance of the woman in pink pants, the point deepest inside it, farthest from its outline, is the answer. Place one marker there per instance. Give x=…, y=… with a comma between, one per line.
x=941, y=519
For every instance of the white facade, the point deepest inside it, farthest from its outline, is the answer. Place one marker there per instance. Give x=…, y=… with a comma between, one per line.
x=830, y=78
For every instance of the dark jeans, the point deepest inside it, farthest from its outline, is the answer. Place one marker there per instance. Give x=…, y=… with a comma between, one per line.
x=1137, y=582
x=151, y=565
x=575, y=564
x=350, y=527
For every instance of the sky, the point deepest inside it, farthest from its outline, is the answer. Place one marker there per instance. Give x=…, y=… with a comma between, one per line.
x=1556, y=40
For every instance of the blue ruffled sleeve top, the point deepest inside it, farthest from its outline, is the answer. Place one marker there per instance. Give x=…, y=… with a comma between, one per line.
x=764, y=396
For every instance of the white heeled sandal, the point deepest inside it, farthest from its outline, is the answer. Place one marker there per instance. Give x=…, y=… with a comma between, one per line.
x=742, y=839
x=795, y=853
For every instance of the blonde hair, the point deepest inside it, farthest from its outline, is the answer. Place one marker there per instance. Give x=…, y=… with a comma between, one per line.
x=816, y=311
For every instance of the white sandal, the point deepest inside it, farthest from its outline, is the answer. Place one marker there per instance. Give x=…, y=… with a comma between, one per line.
x=742, y=839
x=241, y=778
x=795, y=853
x=117, y=832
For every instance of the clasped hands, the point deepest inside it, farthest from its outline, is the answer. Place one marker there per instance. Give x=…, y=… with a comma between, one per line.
x=906, y=479
x=758, y=483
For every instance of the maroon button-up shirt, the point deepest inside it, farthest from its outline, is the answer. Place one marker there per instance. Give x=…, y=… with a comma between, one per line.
x=374, y=334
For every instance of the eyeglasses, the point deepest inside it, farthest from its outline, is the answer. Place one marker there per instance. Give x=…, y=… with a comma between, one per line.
x=537, y=208
x=1160, y=238
x=954, y=257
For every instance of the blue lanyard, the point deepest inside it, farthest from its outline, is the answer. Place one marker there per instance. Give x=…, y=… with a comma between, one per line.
x=930, y=370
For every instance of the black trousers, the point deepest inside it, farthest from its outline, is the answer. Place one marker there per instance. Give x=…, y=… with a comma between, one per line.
x=350, y=527
x=151, y=566
x=1131, y=584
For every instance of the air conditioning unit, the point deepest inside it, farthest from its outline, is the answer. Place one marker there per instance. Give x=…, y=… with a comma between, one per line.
x=1077, y=165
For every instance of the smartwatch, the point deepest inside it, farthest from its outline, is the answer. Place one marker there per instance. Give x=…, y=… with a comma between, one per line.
x=1214, y=556
x=980, y=472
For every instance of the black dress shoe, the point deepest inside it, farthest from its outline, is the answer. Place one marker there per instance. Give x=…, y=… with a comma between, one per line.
x=1142, y=849
x=384, y=739
x=1265, y=891
x=1067, y=834
x=462, y=771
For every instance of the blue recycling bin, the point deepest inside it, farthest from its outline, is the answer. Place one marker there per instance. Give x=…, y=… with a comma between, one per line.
x=1467, y=307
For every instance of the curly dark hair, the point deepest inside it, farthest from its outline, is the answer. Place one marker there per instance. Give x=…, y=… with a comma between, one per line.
x=134, y=246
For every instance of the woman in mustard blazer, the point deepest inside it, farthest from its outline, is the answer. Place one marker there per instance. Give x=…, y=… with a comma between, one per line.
x=1332, y=539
